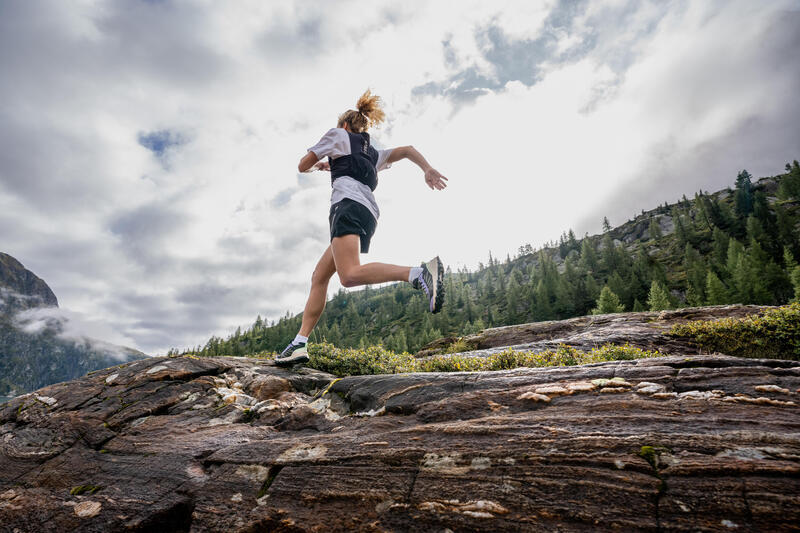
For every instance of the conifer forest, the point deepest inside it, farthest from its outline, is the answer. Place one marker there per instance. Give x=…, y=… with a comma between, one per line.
x=738, y=245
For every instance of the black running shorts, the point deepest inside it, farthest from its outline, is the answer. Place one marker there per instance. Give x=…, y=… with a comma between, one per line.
x=349, y=217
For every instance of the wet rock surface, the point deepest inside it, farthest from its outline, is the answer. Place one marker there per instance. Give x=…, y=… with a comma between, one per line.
x=680, y=443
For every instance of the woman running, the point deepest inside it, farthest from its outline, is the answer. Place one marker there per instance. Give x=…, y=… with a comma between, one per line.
x=354, y=165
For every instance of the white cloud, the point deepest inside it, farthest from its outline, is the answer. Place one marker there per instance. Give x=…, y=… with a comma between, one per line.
x=544, y=116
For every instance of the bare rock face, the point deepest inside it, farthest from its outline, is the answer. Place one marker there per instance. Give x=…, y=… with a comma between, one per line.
x=647, y=330
x=22, y=289
x=680, y=443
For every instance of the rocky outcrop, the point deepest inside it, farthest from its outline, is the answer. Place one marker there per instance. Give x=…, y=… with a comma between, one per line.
x=22, y=289
x=648, y=330
x=679, y=443
x=34, y=350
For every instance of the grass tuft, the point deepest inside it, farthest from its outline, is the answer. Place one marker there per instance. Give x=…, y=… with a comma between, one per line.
x=774, y=334
x=379, y=360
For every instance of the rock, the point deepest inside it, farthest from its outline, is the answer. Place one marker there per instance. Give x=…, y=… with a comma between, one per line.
x=35, y=348
x=612, y=390
x=771, y=388
x=21, y=289
x=536, y=397
x=269, y=387
x=646, y=330
x=582, y=386
x=163, y=451
x=552, y=390
x=87, y=509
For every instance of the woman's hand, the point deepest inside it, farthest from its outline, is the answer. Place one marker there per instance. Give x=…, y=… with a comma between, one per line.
x=434, y=179
x=322, y=165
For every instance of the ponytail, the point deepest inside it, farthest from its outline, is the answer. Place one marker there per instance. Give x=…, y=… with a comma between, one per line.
x=368, y=113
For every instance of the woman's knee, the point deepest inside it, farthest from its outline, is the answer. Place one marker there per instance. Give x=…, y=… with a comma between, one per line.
x=320, y=277
x=349, y=278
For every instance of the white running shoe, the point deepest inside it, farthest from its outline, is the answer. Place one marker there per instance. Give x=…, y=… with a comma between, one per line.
x=431, y=281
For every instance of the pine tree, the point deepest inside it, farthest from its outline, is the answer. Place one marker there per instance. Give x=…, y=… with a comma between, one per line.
x=400, y=341
x=513, y=300
x=619, y=287
x=608, y=302
x=681, y=233
x=658, y=299
x=790, y=184
x=755, y=232
x=606, y=225
x=769, y=225
x=589, y=255
x=786, y=230
x=695, y=276
x=701, y=205
x=693, y=298
x=789, y=262
x=609, y=254
x=572, y=242
x=743, y=198
x=716, y=293
x=654, y=230
x=720, y=247
x=796, y=283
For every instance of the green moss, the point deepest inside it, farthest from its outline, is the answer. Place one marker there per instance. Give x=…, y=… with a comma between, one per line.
x=84, y=489
x=459, y=345
x=331, y=384
x=648, y=453
x=774, y=334
x=104, y=451
x=652, y=455
x=274, y=470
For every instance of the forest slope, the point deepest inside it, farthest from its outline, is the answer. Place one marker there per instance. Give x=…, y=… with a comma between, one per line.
x=738, y=245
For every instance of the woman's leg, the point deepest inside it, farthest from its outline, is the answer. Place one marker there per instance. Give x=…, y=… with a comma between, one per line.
x=352, y=273
x=319, y=292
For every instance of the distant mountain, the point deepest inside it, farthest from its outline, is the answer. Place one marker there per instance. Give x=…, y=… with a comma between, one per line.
x=21, y=289
x=34, y=351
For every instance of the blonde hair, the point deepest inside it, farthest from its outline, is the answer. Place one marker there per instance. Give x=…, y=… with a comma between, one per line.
x=368, y=113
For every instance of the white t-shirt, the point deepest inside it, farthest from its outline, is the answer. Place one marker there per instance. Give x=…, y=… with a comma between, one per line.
x=336, y=143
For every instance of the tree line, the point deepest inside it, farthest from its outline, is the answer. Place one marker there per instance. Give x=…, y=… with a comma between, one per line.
x=738, y=245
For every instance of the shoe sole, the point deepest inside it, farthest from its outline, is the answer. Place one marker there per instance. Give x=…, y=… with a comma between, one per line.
x=436, y=269
x=293, y=360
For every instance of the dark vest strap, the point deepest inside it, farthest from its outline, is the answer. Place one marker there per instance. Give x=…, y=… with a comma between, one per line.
x=359, y=164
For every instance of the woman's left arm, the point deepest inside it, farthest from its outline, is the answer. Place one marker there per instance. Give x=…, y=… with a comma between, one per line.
x=432, y=176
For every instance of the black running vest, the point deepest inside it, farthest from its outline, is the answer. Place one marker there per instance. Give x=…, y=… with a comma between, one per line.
x=360, y=164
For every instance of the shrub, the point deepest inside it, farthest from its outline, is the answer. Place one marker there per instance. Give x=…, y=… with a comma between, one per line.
x=773, y=334
x=358, y=361
x=459, y=345
x=378, y=360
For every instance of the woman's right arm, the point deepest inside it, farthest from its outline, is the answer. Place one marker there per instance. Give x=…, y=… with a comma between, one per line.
x=307, y=162
x=432, y=176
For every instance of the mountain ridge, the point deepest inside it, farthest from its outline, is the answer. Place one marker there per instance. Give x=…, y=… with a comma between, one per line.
x=32, y=356
x=22, y=289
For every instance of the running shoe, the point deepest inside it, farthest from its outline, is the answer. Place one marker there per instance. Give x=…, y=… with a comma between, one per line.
x=431, y=281
x=293, y=354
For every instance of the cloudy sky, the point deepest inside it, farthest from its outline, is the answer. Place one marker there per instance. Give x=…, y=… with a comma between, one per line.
x=149, y=149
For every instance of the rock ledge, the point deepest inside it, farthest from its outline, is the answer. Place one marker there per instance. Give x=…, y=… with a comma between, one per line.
x=232, y=444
